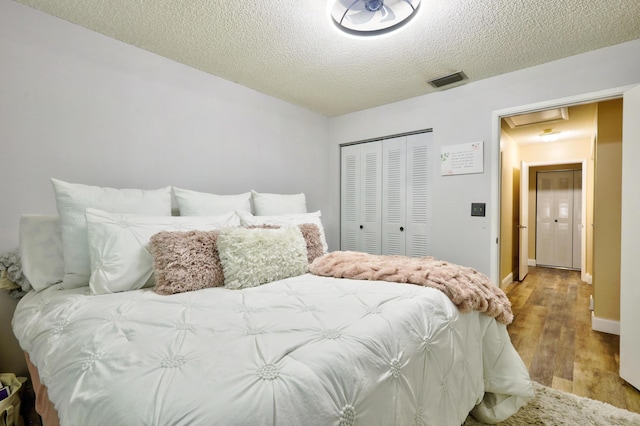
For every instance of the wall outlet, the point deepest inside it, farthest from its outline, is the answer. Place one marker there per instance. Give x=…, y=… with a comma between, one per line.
x=478, y=209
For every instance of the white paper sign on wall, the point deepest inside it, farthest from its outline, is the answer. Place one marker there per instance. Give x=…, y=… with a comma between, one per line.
x=462, y=159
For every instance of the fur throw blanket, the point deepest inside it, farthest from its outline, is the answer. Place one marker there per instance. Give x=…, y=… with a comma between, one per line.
x=467, y=288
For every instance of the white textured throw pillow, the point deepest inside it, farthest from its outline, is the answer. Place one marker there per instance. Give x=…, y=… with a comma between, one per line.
x=119, y=245
x=251, y=257
x=72, y=199
x=194, y=203
x=248, y=219
x=41, y=250
x=275, y=204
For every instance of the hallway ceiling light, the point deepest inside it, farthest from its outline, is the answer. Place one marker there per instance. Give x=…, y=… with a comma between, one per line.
x=372, y=17
x=549, y=135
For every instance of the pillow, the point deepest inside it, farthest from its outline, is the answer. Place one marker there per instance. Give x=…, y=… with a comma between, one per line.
x=251, y=257
x=276, y=204
x=72, y=199
x=193, y=203
x=311, y=235
x=248, y=219
x=118, y=245
x=40, y=246
x=185, y=261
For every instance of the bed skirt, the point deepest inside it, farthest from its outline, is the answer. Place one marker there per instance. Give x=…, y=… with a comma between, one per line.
x=44, y=407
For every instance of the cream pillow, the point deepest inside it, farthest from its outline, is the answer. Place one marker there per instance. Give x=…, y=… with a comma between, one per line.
x=248, y=219
x=265, y=204
x=193, y=203
x=41, y=250
x=251, y=257
x=119, y=245
x=72, y=200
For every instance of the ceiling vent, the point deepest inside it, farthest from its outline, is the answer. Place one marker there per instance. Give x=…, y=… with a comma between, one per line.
x=447, y=79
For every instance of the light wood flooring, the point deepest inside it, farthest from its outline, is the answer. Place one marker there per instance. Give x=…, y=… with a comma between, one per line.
x=552, y=332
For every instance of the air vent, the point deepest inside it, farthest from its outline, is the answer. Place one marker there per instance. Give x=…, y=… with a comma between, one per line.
x=447, y=79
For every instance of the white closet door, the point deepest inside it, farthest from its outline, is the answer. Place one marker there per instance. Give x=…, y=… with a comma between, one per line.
x=544, y=218
x=577, y=219
x=555, y=219
x=563, y=249
x=418, y=208
x=350, y=193
x=394, y=183
x=371, y=198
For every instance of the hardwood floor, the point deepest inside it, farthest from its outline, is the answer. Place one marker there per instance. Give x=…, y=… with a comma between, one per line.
x=552, y=332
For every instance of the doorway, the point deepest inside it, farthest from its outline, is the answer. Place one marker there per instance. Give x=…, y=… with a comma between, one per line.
x=524, y=153
x=627, y=294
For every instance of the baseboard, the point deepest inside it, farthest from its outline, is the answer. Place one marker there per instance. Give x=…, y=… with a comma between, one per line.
x=507, y=280
x=589, y=279
x=605, y=325
x=531, y=262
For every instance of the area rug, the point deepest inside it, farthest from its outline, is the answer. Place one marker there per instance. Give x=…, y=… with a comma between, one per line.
x=553, y=407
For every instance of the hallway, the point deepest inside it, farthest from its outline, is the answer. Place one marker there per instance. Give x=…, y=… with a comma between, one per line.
x=552, y=332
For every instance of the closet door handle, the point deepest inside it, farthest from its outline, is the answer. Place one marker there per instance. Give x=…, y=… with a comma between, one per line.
x=401, y=228
x=361, y=227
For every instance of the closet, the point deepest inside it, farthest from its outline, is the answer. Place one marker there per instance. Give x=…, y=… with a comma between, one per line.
x=558, y=218
x=385, y=196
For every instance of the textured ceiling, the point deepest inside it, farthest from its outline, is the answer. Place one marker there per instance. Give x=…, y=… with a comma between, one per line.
x=289, y=48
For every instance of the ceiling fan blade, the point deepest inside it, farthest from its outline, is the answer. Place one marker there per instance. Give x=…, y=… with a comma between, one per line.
x=387, y=14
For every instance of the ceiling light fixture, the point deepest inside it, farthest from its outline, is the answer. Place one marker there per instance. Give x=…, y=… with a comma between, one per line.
x=372, y=17
x=549, y=135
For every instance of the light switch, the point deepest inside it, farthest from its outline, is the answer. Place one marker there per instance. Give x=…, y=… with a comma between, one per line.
x=478, y=209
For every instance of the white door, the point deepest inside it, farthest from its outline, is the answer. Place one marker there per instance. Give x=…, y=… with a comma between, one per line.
x=350, y=192
x=418, y=206
x=577, y=219
x=371, y=197
x=554, y=230
x=394, y=187
x=523, y=231
x=630, y=250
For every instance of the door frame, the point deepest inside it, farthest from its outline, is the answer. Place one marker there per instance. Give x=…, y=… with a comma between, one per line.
x=496, y=117
x=583, y=230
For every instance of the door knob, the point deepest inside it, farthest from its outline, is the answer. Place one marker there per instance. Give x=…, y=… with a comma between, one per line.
x=401, y=228
x=361, y=227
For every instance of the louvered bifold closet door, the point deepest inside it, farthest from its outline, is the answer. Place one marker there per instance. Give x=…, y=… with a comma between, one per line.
x=371, y=197
x=394, y=185
x=350, y=203
x=418, y=200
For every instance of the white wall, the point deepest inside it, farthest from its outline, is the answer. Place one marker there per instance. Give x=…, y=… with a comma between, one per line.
x=85, y=108
x=464, y=114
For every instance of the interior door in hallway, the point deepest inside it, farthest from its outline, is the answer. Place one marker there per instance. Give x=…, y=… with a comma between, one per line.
x=554, y=219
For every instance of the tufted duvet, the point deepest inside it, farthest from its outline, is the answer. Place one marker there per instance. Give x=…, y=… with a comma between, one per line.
x=307, y=350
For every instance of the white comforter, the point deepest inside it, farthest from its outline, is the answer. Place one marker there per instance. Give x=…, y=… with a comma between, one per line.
x=302, y=351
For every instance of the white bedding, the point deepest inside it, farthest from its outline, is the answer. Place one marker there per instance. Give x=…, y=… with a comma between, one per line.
x=301, y=351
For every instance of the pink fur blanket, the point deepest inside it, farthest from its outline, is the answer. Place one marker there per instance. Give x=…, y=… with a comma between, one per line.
x=467, y=288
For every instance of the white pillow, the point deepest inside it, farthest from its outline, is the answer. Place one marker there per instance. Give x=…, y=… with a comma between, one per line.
x=72, y=199
x=119, y=245
x=275, y=204
x=250, y=257
x=41, y=250
x=248, y=219
x=193, y=203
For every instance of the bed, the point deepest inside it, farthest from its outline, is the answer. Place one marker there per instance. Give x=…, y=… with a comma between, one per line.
x=300, y=349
